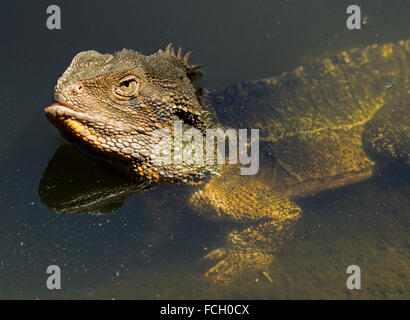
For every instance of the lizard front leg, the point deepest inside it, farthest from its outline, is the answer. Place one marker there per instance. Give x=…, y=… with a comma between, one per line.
x=247, y=199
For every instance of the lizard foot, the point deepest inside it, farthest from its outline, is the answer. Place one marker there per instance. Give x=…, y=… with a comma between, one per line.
x=233, y=260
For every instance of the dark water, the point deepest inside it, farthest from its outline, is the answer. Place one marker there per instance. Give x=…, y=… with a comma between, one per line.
x=141, y=250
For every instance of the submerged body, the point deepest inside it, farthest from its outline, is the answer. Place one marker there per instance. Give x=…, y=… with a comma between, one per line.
x=327, y=124
x=330, y=124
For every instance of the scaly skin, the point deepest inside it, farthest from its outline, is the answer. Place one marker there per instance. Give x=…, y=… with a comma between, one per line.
x=330, y=124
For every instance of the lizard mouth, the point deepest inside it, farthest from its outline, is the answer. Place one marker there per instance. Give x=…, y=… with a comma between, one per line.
x=67, y=120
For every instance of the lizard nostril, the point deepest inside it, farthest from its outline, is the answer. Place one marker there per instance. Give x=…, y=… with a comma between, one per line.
x=58, y=97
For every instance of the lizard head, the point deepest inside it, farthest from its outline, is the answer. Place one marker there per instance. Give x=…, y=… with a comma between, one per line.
x=111, y=104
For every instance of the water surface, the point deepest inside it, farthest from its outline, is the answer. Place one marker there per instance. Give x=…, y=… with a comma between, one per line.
x=141, y=250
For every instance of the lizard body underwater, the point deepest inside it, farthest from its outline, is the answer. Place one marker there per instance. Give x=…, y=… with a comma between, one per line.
x=333, y=123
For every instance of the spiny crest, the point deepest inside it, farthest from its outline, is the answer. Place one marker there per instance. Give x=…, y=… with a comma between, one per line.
x=191, y=69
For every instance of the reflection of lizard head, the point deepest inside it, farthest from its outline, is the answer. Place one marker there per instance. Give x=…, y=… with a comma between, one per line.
x=73, y=183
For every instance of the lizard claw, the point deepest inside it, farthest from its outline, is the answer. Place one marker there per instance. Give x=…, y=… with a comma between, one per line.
x=215, y=254
x=220, y=273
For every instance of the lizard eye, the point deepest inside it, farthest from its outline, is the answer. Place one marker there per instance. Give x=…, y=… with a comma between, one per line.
x=127, y=87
